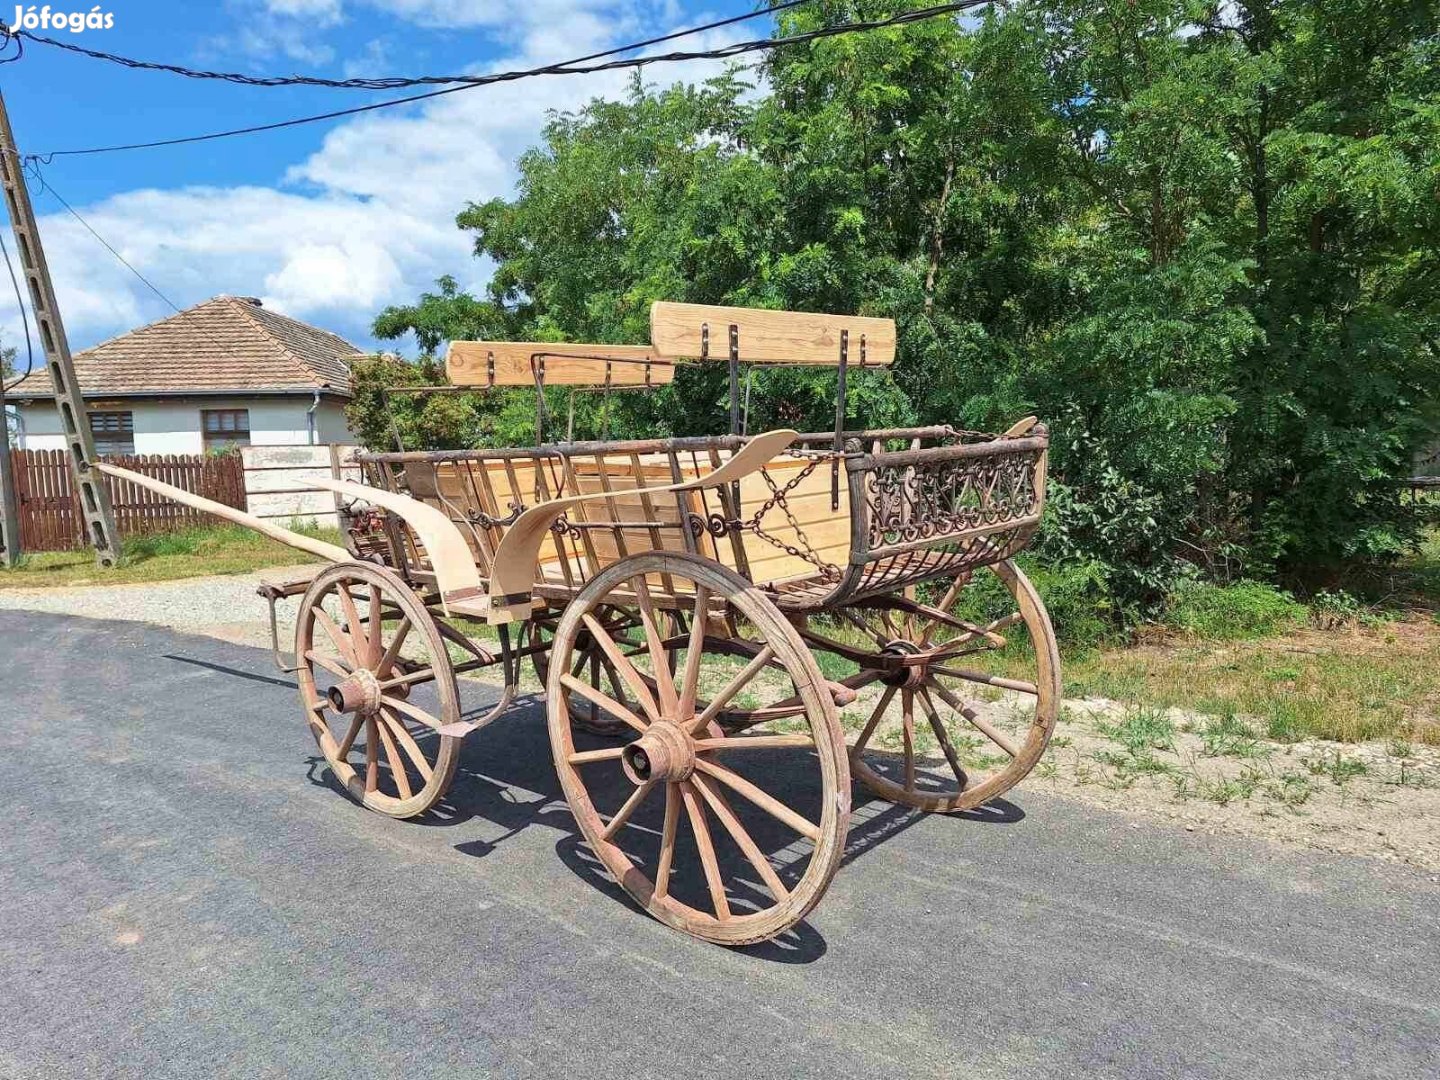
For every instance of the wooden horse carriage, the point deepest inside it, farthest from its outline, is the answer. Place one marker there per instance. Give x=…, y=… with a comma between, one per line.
x=702, y=613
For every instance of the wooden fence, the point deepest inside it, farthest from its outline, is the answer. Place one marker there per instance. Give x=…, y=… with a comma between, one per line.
x=50, y=518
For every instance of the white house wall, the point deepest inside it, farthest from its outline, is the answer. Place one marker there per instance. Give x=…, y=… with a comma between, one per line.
x=173, y=427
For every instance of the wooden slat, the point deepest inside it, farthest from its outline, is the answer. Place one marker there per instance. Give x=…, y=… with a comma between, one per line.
x=467, y=364
x=795, y=337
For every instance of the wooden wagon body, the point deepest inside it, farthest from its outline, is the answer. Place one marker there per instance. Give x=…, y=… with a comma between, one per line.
x=703, y=613
x=815, y=528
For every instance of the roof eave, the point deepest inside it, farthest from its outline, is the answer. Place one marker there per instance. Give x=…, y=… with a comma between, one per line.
x=17, y=394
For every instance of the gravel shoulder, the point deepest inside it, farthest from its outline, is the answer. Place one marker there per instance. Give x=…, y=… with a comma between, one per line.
x=1376, y=800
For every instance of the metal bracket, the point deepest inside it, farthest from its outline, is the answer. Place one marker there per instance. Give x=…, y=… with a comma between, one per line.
x=840, y=393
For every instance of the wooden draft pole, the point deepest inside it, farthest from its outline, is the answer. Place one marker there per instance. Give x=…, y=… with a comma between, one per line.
x=94, y=497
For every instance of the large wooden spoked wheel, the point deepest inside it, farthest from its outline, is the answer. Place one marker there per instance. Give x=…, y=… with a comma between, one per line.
x=730, y=838
x=980, y=707
x=376, y=681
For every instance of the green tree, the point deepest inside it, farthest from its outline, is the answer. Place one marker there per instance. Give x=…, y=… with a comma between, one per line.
x=1198, y=238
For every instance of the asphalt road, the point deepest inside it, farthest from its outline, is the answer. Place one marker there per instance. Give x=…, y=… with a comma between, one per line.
x=182, y=893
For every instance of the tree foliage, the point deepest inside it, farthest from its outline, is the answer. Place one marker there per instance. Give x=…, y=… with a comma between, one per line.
x=1200, y=239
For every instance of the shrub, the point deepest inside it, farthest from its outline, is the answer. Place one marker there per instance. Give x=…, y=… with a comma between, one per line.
x=1246, y=609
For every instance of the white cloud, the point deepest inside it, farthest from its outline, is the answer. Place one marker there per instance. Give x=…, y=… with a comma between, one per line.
x=365, y=221
x=323, y=12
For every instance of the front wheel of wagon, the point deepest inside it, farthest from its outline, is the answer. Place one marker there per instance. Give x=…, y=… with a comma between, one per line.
x=731, y=838
x=376, y=682
x=960, y=709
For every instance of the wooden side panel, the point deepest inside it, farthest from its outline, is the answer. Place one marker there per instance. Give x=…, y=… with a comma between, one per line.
x=827, y=531
x=468, y=364
x=502, y=487
x=768, y=336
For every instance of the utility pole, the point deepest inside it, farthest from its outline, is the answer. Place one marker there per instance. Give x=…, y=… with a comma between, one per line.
x=10, y=550
x=69, y=401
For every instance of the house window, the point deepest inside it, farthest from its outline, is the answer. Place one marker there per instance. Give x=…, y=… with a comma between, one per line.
x=113, y=432
x=225, y=428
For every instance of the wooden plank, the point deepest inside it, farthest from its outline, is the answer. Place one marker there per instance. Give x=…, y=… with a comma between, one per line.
x=794, y=337
x=468, y=364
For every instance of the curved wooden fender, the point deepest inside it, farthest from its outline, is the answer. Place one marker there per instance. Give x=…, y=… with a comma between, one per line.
x=513, y=575
x=450, y=556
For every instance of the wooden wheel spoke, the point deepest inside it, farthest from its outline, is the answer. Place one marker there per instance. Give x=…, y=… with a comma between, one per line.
x=667, y=841
x=332, y=666
x=586, y=757
x=412, y=711
x=613, y=676
x=624, y=667
x=1019, y=685
x=629, y=807
x=874, y=721
x=690, y=678
x=722, y=809
x=377, y=626
x=934, y=624
x=976, y=720
x=863, y=626
x=359, y=641
x=696, y=813
x=350, y=735
x=761, y=660
x=763, y=799
x=604, y=700
x=392, y=653
x=754, y=742
x=340, y=640
x=937, y=725
x=392, y=758
x=907, y=731
x=372, y=756
x=655, y=643
x=407, y=743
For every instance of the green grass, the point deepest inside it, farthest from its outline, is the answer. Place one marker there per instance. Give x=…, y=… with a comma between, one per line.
x=223, y=549
x=1247, y=609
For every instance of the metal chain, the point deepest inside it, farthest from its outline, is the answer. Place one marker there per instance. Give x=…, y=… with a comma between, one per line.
x=829, y=571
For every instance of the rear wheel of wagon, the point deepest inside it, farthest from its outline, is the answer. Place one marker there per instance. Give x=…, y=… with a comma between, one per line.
x=959, y=710
x=376, y=682
x=589, y=663
x=732, y=838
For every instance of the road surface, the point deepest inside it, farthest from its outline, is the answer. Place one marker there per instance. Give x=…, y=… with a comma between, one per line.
x=184, y=894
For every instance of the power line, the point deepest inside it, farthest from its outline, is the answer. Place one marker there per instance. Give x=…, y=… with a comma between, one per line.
x=386, y=83
x=33, y=170
x=46, y=186
x=567, y=68
x=24, y=317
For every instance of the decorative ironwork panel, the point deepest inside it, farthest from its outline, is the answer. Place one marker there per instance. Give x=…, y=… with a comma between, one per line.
x=938, y=499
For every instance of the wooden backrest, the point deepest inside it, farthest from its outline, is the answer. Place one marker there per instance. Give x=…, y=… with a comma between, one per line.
x=509, y=363
x=796, y=337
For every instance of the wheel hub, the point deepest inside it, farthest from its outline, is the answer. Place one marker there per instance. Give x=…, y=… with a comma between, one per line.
x=909, y=676
x=664, y=753
x=357, y=692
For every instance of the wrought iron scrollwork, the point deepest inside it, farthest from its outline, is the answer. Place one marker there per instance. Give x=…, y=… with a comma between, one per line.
x=938, y=499
x=485, y=521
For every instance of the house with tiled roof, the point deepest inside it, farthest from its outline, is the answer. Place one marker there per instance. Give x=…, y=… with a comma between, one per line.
x=227, y=372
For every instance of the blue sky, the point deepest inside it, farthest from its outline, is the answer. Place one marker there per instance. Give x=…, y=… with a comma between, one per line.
x=328, y=222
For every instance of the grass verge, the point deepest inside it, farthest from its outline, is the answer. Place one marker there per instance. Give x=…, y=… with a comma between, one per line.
x=223, y=549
